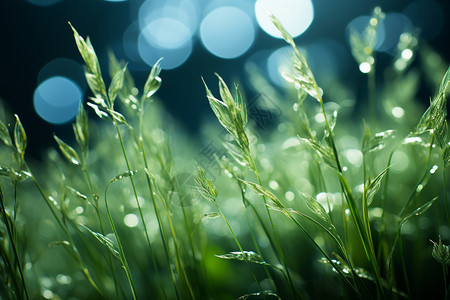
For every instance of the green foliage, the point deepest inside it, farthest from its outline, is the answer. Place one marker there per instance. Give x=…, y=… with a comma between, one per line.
x=325, y=207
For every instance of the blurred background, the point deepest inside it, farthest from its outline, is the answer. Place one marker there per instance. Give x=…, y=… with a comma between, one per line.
x=42, y=79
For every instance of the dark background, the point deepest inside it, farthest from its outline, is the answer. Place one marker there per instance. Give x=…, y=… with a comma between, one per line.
x=31, y=36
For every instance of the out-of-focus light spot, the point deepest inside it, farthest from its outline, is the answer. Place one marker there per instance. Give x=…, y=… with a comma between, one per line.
x=273, y=185
x=277, y=63
x=43, y=2
x=400, y=65
x=289, y=196
x=400, y=162
x=428, y=16
x=172, y=58
x=79, y=209
x=183, y=11
x=395, y=25
x=63, y=279
x=57, y=99
x=165, y=30
x=433, y=169
x=295, y=15
x=407, y=54
x=360, y=23
x=354, y=156
x=166, y=33
x=63, y=67
x=320, y=118
x=47, y=294
x=365, y=67
x=324, y=199
x=227, y=32
x=398, y=112
x=131, y=220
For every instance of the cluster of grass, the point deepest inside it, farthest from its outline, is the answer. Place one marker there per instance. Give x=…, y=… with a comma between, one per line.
x=321, y=205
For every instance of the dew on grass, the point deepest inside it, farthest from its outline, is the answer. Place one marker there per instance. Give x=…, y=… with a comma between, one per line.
x=433, y=169
x=413, y=140
x=419, y=188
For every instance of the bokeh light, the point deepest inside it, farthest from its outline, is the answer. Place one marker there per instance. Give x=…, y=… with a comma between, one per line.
x=166, y=29
x=172, y=57
x=63, y=67
x=185, y=12
x=295, y=15
x=394, y=25
x=166, y=33
x=277, y=63
x=227, y=32
x=360, y=23
x=56, y=100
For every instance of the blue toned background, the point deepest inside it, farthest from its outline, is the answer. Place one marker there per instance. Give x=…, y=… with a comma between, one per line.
x=42, y=80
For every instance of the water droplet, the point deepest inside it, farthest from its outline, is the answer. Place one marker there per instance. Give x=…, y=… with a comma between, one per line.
x=433, y=169
x=419, y=188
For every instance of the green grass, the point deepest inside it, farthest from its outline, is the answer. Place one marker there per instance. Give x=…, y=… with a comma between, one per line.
x=320, y=204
